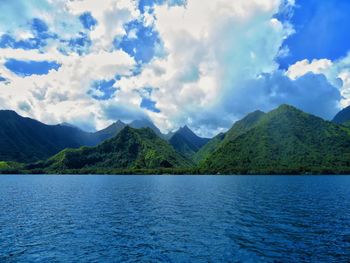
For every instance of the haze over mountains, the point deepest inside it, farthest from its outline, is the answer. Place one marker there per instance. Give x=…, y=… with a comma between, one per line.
x=285, y=140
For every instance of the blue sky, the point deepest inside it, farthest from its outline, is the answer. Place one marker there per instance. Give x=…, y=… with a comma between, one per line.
x=176, y=62
x=322, y=31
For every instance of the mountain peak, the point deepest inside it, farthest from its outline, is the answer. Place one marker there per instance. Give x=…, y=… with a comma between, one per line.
x=110, y=131
x=141, y=122
x=185, y=129
x=146, y=123
x=287, y=107
x=186, y=142
x=118, y=123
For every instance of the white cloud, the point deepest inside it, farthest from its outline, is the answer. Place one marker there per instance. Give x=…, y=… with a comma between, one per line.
x=111, y=15
x=213, y=48
x=217, y=63
x=62, y=95
x=303, y=67
x=337, y=73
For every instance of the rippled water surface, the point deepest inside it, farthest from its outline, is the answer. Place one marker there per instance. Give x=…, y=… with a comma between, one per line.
x=174, y=218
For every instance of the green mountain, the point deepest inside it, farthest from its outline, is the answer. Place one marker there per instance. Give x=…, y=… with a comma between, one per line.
x=243, y=125
x=208, y=148
x=186, y=142
x=237, y=129
x=130, y=149
x=285, y=140
x=26, y=140
x=342, y=117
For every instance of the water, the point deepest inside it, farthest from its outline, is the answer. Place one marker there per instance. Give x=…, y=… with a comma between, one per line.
x=174, y=218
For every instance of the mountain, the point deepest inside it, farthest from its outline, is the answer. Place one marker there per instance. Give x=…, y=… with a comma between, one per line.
x=343, y=116
x=237, y=129
x=285, y=140
x=110, y=131
x=130, y=149
x=139, y=124
x=68, y=125
x=243, y=125
x=115, y=128
x=25, y=140
x=208, y=148
x=187, y=142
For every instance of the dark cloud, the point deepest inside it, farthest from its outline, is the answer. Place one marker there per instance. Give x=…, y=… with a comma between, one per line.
x=24, y=106
x=311, y=93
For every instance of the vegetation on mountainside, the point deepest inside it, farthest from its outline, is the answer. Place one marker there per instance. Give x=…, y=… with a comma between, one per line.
x=237, y=129
x=130, y=149
x=208, y=148
x=285, y=140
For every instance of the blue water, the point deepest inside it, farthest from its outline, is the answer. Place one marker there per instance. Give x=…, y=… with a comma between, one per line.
x=174, y=219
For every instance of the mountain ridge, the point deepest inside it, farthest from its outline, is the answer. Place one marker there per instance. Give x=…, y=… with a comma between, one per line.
x=186, y=142
x=129, y=149
x=285, y=140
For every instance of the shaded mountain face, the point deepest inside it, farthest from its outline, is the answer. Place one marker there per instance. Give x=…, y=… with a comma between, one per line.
x=130, y=149
x=26, y=140
x=187, y=142
x=68, y=125
x=285, y=140
x=342, y=117
x=110, y=131
x=138, y=124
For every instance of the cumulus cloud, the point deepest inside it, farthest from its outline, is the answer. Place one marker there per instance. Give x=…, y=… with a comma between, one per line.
x=214, y=61
x=303, y=67
x=62, y=95
x=111, y=16
x=212, y=49
x=337, y=73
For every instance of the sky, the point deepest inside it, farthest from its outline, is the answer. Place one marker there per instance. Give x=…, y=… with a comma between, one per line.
x=204, y=64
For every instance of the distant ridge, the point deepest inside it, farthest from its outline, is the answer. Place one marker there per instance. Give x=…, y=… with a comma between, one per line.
x=24, y=139
x=110, y=131
x=342, y=117
x=68, y=125
x=129, y=149
x=186, y=142
x=138, y=124
x=27, y=140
